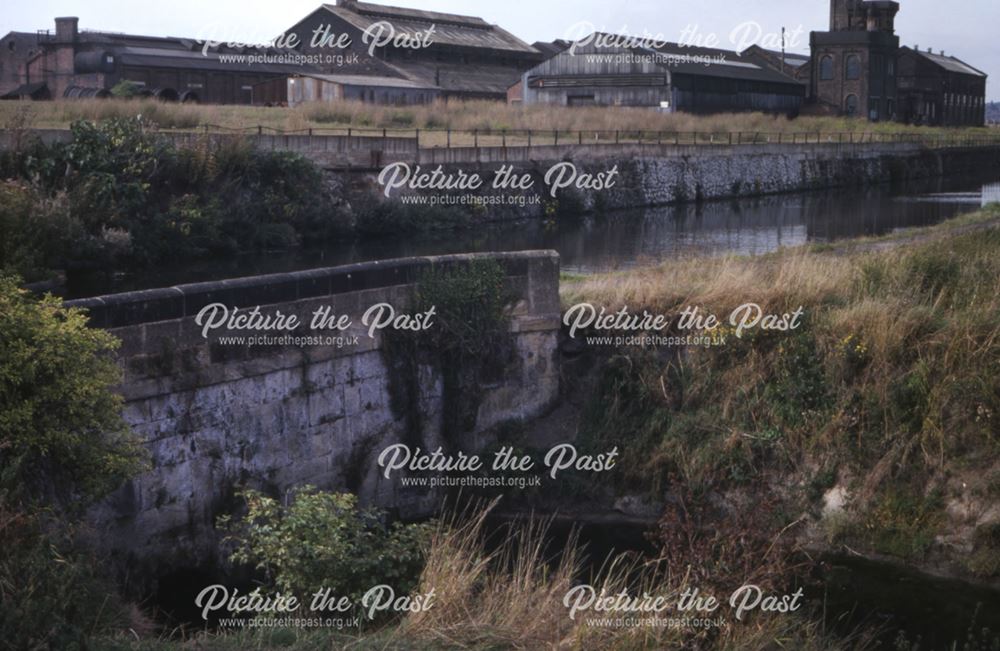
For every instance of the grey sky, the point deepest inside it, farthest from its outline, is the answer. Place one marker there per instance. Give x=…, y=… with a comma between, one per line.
x=966, y=28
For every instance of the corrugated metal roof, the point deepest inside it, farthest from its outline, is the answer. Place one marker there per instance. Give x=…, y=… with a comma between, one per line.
x=550, y=49
x=166, y=58
x=369, y=80
x=384, y=11
x=449, y=29
x=458, y=77
x=711, y=62
x=792, y=59
x=950, y=63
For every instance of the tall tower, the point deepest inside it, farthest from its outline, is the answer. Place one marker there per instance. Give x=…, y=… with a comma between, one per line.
x=853, y=66
x=846, y=15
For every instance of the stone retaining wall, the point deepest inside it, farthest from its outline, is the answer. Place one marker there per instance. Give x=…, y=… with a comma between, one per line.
x=217, y=416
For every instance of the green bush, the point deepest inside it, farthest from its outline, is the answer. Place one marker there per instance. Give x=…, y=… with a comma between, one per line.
x=324, y=540
x=35, y=230
x=63, y=443
x=120, y=176
x=61, y=430
x=125, y=88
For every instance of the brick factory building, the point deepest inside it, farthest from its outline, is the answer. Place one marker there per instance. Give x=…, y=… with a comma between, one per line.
x=70, y=63
x=858, y=69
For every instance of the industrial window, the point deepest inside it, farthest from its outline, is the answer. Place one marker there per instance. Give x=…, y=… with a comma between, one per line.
x=852, y=69
x=826, y=68
x=891, y=67
x=873, y=109
x=851, y=105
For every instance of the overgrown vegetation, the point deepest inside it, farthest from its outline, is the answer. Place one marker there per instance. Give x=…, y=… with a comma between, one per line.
x=510, y=596
x=321, y=540
x=62, y=438
x=119, y=195
x=890, y=386
x=469, y=344
x=63, y=443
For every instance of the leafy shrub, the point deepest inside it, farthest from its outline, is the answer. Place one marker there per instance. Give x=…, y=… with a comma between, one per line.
x=125, y=88
x=35, y=230
x=798, y=388
x=113, y=166
x=324, y=540
x=62, y=443
x=61, y=430
x=121, y=176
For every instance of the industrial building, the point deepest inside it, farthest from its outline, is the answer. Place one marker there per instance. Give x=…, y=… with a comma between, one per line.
x=460, y=57
x=857, y=68
x=853, y=65
x=463, y=58
x=73, y=63
x=669, y=77
x=302, y=89
x=940, y=90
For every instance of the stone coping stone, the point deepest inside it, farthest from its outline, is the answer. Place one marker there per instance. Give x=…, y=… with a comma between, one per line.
x=170, y=303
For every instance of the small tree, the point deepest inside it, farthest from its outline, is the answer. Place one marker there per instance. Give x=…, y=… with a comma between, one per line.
x=323, y=540
x=125, y=88
x=61, y=431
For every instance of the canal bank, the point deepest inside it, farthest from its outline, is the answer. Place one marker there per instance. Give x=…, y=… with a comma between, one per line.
x=515, y=183
x=617, y=240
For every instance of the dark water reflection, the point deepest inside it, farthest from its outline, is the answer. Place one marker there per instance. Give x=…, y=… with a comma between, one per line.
x=628, y=238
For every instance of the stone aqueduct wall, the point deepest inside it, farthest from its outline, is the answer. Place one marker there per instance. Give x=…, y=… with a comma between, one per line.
x=651, y=175
x=216, y=417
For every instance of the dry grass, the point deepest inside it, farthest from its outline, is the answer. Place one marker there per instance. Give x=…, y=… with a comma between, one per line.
x=891, y=380
x=466, y=116
x=720, y=284
x=512, y=598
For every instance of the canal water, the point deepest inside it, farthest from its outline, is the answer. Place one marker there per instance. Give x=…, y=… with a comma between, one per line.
x=625, y=239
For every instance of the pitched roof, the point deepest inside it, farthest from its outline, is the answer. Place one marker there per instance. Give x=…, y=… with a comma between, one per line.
x=458, y=77
x=792, y=59
x=949, y=63
x=371, y=80
x=449, y=29
x=551, y=48
x=713, y=62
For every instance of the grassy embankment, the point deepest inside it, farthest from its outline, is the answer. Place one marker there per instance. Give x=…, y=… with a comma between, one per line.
x=889, y=391
x=468, y=116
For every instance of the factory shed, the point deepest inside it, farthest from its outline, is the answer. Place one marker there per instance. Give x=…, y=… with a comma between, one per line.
x=668, y=77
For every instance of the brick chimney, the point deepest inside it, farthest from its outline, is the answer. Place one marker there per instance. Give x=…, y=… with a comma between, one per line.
x=67, y=29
